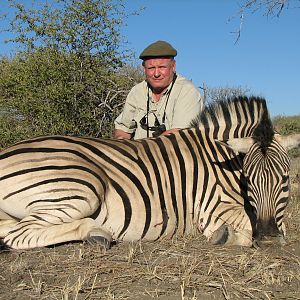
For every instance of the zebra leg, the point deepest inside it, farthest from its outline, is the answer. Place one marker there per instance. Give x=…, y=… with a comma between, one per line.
x=31, y=232
x=226, y=235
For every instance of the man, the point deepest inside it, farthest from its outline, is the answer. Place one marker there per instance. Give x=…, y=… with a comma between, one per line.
x=161, y=104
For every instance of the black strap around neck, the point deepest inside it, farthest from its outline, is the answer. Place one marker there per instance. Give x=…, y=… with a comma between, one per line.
x=168, y=96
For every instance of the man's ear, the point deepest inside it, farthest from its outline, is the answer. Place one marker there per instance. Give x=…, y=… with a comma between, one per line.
x=241, y=145
x=289, y=142
x=174, y=66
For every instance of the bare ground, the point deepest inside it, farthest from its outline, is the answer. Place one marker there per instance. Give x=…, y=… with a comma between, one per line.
x=181, y=268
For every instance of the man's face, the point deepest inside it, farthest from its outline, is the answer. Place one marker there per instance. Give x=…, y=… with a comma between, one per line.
x=159, y=72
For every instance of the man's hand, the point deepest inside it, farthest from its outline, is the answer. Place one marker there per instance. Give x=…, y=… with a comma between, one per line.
x=121, y=135
x=172, y=130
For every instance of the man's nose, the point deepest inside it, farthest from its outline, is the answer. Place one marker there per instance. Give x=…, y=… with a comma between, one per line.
x=157, y=72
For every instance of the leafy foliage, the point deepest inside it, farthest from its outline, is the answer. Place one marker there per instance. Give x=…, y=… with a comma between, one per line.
x=287, y=125
x=69, y=76
x=73, y=26
x=50, y=92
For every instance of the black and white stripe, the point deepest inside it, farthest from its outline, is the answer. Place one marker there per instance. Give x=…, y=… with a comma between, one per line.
x=57, y=188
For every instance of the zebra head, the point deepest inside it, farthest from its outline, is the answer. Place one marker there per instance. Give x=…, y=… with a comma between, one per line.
x=266, y=170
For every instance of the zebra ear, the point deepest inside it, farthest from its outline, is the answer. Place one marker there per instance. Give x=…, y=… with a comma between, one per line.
x=289, y=142
x=241, y=145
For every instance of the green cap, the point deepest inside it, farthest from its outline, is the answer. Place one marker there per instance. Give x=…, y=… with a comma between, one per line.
x=158, y=49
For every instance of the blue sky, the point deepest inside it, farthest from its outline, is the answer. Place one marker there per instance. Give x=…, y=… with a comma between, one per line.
x=265, y=59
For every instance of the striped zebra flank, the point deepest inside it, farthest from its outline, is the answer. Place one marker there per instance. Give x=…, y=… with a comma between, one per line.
x=226, y=176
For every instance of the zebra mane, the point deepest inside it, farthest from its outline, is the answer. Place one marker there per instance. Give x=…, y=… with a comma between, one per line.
x=237, y=117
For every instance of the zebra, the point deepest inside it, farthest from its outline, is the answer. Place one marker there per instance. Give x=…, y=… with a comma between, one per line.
x=225, y=176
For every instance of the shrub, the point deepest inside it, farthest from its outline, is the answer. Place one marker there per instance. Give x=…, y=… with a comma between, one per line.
x=287, y=125
x=50, y=92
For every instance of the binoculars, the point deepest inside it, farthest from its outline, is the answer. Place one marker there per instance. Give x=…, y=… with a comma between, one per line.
x=159, y=130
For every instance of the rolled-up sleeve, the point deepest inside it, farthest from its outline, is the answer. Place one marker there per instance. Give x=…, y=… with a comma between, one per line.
x=125, y=121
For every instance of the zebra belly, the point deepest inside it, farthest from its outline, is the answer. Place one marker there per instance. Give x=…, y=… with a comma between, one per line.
x=134, y=223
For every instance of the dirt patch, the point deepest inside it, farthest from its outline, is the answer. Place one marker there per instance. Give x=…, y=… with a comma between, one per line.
x=181, y=268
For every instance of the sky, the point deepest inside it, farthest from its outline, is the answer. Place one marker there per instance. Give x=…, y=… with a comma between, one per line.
x=265, y=60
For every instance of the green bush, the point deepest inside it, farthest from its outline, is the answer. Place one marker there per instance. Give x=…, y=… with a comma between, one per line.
x=70, y=75
x=288, y=125
x=49, y=92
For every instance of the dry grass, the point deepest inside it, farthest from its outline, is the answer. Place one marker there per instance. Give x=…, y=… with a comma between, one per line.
x=182, y=268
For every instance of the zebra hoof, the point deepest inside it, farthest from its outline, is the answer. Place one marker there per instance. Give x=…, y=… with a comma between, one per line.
x=220, y=236
x=99, y=240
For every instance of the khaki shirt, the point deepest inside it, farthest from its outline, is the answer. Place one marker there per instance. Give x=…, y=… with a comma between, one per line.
x=184, y=104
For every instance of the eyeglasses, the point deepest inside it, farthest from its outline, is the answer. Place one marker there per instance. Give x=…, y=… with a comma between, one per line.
x=157, y=129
